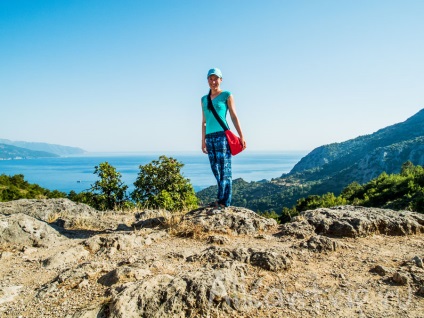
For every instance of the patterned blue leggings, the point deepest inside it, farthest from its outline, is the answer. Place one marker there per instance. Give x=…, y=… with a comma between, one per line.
x=220, y=159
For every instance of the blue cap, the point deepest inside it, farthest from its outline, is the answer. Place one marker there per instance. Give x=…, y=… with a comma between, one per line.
x=215, y=71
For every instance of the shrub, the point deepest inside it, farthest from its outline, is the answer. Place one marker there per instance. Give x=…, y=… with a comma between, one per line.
x=160, y=185
x=109, y=192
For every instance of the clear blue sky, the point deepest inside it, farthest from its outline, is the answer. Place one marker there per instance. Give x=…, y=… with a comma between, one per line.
x=128, y=75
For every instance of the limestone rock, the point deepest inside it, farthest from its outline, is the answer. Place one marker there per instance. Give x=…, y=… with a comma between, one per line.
x=44, y=209
x=217, y=239
x=93, y=312
x=418, y=261
x=269, y=259
x=5, y=255
x=400, y=278
x=321, y=243
x=123, y=274
x=23, y=230
x=63, y=213
x=382, y=270
x=193, y=294
x=121, y=242
x=9, y=293
x=213, y=254
x=356, y=221
x=175, y=255
x=71, y=277
x=299, y=228
x=63, y=258
x=235, y=219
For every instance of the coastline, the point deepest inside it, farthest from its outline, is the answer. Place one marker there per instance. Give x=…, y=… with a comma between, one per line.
x=75, y=172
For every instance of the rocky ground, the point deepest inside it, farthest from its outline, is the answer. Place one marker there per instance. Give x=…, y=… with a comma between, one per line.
x=61, y=259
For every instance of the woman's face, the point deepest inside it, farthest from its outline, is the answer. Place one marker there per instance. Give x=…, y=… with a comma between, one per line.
x=214, y=82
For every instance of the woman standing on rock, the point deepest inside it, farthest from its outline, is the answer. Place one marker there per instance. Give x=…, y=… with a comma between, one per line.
x=214, y=141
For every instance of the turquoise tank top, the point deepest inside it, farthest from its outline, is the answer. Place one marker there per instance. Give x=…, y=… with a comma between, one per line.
x=221, y=107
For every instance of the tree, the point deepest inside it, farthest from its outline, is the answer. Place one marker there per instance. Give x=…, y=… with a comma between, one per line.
x=109, y=192
x=160, y=185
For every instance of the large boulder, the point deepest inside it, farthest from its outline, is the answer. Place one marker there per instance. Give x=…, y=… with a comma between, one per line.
x=46, y=209
x=200, y=293
x=108, y=244
x=234, y=219
x=72, y=255
x=24, y=230
x=268, y=259
x=64, y=213
x=357, y=221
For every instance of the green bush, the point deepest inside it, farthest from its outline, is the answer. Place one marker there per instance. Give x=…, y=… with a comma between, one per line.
x=160, y=185
x=109, y=192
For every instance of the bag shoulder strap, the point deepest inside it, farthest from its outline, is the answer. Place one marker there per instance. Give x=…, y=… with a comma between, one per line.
x=219, y=119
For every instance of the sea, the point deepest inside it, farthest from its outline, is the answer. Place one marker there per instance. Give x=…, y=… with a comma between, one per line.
x=77, y=172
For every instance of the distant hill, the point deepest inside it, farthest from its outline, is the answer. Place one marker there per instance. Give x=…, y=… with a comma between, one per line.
x=354, y=150
x=41, y=146
x=12, y=152
x=364, y=158
x=330, y=168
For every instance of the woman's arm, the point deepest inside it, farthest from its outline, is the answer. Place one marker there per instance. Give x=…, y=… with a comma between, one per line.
x=234, y=119
x=203, y=131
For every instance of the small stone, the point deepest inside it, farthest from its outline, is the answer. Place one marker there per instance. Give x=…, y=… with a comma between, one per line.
x=175, y=255
x=217, y=239
x=418, y=261
x=263, y=237
x=400, y=278
x=5, y=255
x=84, y=283
x=381, y=270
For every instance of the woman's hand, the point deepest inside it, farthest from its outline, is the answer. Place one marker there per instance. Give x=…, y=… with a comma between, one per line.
x=204, y=150
x=243, y=142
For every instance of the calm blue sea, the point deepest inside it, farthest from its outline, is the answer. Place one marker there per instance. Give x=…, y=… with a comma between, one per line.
x=76, y=172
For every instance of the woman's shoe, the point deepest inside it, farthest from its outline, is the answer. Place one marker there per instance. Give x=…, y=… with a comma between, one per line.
x=213, y=204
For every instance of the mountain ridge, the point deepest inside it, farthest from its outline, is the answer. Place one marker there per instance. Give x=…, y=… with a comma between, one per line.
x=46, y=147
x=8, y=152
x=409, y=129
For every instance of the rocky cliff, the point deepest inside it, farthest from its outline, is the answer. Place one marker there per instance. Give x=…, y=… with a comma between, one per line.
x=61, y=259
x=384, y=150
